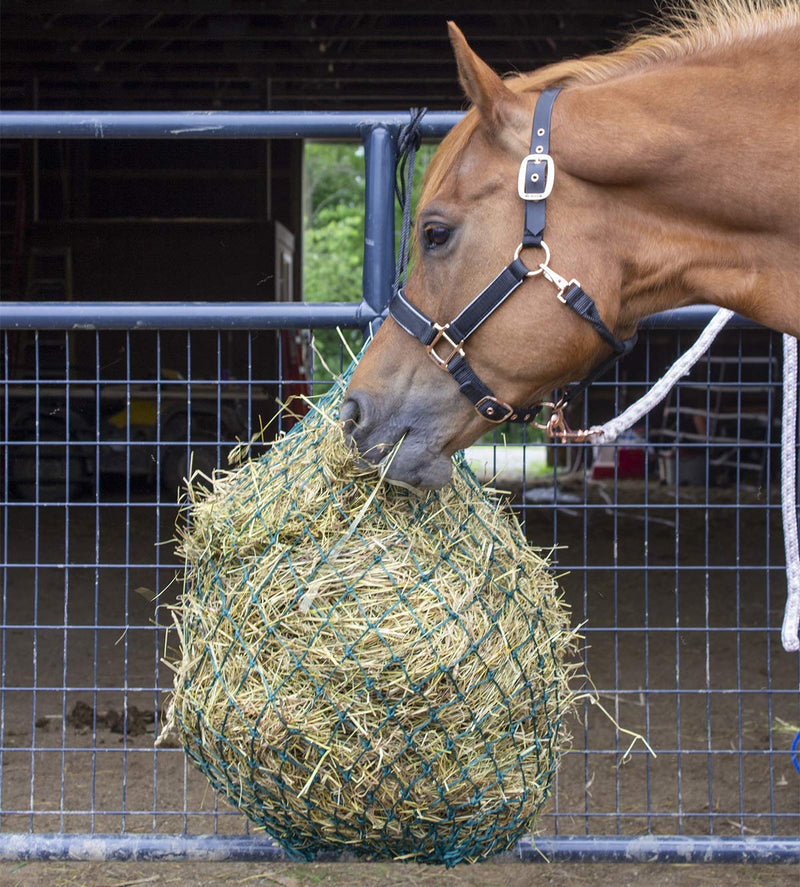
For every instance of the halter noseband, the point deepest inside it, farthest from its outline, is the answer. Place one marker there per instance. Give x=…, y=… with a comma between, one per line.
x=445, y=342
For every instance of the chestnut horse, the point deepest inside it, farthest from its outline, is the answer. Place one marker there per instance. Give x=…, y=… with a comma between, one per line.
x=675, y=174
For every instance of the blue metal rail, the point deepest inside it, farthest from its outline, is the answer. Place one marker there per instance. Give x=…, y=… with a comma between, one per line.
x=233, y=848
x=377, y=130
x=213, y=124
x=250, y=315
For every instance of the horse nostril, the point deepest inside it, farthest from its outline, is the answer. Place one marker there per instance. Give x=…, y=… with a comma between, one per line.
x=349, y=414
x=355, y=413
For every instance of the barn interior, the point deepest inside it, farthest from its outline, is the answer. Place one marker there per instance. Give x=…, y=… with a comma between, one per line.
x=89, y=197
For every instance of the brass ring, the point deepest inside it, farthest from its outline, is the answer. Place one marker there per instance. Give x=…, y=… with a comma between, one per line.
x=545, y=263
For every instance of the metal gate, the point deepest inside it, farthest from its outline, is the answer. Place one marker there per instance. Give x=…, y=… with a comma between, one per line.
x=670, y=542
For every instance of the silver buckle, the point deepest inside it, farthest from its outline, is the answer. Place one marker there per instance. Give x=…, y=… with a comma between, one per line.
x=548, y=170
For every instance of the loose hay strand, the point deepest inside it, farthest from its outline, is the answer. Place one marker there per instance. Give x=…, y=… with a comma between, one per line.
x=363, y=666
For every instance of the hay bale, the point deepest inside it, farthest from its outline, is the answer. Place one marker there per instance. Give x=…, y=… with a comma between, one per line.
x=363, y=667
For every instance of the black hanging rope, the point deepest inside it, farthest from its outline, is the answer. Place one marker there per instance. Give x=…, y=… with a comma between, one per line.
x=408, y=141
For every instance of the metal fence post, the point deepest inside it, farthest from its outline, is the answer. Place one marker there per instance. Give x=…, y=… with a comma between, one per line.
x=380, y=147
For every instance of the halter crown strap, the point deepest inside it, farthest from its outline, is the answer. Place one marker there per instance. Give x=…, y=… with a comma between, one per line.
x=538, y=171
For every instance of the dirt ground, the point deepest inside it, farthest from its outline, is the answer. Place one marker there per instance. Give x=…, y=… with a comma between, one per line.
x=117, y=874
x=675, y=611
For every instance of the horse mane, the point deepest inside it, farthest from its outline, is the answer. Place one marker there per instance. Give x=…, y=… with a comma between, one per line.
x=687, y=28
x=684, y=29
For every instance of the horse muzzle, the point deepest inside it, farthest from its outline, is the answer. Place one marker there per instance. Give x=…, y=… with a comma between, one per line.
x=398, y=439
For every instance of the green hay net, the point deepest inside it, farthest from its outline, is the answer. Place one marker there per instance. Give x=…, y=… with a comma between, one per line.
x=363, y=667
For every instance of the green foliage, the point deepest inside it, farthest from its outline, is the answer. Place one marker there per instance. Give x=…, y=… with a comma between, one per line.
x=333, y=255
x=334, y=175
x=334, y=239
x=334, y=235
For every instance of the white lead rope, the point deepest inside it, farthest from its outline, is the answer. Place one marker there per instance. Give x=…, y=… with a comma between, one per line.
x=612, y=429
x=790, y=637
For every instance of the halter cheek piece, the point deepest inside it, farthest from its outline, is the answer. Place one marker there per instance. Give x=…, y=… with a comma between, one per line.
x=445, y=342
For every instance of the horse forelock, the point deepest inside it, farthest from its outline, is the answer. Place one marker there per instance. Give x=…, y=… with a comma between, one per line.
x=687, y=29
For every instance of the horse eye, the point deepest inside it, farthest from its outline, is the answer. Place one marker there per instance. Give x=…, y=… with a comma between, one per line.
x=435, y=235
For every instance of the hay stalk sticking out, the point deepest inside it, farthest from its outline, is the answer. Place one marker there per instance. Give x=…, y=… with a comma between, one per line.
x=364, y=667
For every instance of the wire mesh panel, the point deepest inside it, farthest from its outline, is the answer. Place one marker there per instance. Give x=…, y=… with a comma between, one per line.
x=669, y=544
x=673, y=549
x=99, y=429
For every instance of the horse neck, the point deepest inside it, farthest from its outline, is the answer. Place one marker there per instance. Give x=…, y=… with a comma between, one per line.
x=693, y=170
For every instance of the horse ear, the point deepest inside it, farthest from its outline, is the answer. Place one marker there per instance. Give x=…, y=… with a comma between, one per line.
x=497, y=104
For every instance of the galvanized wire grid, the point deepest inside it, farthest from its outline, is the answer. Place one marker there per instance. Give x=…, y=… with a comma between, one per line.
x=680, y=588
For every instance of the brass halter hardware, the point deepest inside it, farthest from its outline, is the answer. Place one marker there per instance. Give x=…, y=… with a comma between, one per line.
x=556, y=427
x=455, y=347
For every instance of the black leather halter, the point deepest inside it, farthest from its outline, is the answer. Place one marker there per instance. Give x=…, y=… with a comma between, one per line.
x=445, y=342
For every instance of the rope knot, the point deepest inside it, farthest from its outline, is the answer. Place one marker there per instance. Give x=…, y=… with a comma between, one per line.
x=409, y=137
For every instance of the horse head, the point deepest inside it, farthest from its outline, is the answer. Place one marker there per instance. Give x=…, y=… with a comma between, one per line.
x=468, y=227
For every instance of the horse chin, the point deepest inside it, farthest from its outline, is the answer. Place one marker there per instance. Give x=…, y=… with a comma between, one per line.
x=409, y=464
x=419, y=471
